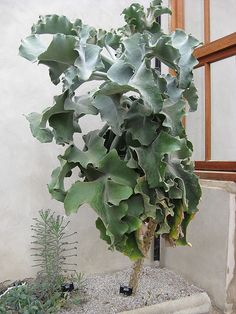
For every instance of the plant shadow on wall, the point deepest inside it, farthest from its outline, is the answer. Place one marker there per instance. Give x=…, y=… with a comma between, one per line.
x=135, y=172
x=55, y=279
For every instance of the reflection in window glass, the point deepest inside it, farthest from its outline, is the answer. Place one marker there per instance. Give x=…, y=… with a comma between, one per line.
x=223, y=95
x=194, y=18
x=222, y=13
x=195, y=125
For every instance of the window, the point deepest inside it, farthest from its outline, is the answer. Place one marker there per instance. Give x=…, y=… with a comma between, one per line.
x=213, y=128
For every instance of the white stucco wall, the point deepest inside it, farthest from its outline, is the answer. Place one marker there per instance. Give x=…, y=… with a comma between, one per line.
x=26, y=164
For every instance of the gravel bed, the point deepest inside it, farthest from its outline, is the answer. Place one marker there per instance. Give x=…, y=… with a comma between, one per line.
x=100, y=292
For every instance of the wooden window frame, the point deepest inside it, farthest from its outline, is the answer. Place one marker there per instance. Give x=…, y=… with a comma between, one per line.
x=211, y=51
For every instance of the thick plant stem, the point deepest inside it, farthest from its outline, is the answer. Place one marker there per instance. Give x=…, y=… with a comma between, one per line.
x=135, y=275
x=146, y=244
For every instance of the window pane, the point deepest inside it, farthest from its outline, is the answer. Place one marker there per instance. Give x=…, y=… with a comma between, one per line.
x=165, y=18
x=223, y=20
x=223, y=94
x=195, y=121
x=194, y=18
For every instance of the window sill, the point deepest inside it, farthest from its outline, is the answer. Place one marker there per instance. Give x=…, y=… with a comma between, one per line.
x=216, y=175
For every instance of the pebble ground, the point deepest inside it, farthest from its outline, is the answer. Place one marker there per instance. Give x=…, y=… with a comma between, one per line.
x=100, y=293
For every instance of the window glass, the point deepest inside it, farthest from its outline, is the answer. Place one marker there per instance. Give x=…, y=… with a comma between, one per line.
x=222, y=18
x=223, y=107
x=194, y=18
x=195, y=121
x=165, y=18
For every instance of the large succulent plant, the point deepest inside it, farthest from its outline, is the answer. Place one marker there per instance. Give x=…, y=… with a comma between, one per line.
x=136, y=171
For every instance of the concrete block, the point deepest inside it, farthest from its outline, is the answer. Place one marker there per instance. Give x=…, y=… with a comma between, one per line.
x=210, y=263
x=198, y=303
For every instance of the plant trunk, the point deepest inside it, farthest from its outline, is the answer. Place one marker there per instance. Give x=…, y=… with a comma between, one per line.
x=146, y=244
x=135, y=275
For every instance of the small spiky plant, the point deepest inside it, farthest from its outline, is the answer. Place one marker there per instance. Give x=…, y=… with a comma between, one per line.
x=51, y=247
